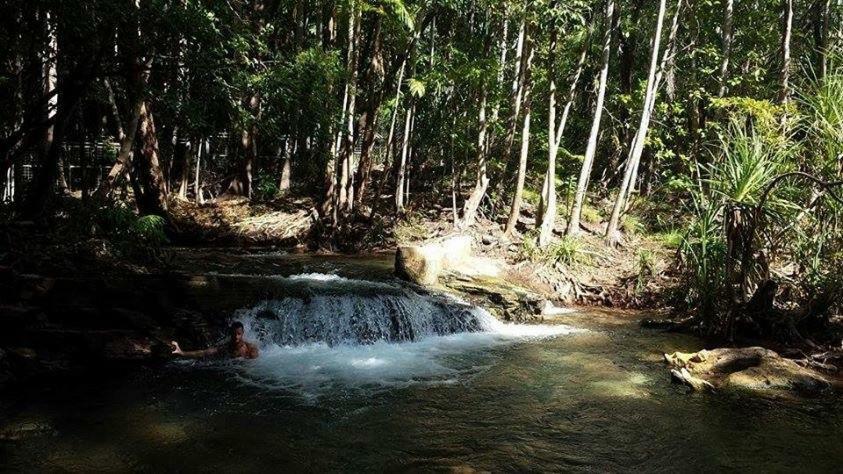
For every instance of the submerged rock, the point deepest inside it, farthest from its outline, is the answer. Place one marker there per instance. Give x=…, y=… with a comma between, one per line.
x=26, y=430
x=747, y=368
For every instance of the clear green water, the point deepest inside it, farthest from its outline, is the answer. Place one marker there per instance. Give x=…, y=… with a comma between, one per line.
x=596, y=401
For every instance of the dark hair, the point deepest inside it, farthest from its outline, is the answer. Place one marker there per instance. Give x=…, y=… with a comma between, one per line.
x=235, y=326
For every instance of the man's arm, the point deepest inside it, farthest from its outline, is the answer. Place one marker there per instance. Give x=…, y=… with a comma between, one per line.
x=253, y=351
x=193, y=354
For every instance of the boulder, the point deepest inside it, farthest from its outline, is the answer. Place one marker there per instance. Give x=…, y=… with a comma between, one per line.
x=418, y=264
x=747, y=368
x=422, y=264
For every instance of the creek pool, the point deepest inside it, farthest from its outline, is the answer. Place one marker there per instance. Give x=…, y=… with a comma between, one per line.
x=590, y=395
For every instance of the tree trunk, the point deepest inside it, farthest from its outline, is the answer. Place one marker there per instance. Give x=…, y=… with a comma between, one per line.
x=346, y=157
x=284, y=183
x=402, y=166
x=726, y=38
x=823, y=37
x=248, y=142
x=787, y=30
x=469, y=212
x=50, y=76
x=591, y=148
x=124, y=157
x=197, y=184
x=184, y=169
x=153, y=199
x=481, y=183
x=369, y=121
x=547, y=211
x=515, y=210
x=517, y=100
x=637, y=147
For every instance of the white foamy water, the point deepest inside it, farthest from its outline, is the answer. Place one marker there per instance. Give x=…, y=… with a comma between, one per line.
x=312, y=369
x=363, y=339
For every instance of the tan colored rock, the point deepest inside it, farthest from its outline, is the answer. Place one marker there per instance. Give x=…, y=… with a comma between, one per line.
x=422, y=264
x=418, y=264
x=748, y=368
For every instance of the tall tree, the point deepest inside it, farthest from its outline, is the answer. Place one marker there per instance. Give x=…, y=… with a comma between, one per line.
x=547, y=200
x=787, y=32
x=515, y=209
x=481, y=181
x=726, y=40
x=591, y=148
x=654, y=76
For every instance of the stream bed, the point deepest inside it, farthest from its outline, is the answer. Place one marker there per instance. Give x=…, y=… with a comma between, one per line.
x=357, y=373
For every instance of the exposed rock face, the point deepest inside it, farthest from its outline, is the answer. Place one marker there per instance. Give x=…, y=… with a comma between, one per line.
x=418, y=264
x=422, y=264
x=503, y=299
x=748, y=368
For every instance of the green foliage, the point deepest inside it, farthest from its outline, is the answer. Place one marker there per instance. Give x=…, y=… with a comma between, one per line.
x=591, y=214
x=150, y=230
x=749, y=162
x=411, y=228
x=645, y=267
x=631, y=224
x=671, y=239
x=566, y=251
x=265, y=186
x=823, y=121
x=704, y=249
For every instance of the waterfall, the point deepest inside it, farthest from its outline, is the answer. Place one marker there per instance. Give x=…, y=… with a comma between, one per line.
x=360, y=312
x=321, y=332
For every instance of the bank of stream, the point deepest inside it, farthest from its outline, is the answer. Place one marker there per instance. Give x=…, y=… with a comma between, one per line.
x=587, y=391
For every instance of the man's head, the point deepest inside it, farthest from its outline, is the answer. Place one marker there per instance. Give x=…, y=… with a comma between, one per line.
x=236, y=331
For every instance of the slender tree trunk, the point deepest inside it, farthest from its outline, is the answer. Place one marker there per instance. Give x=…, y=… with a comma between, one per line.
x=346, y=190
x=503, y=48
x=823, y=43
x=637, y=146
x=50, y=76
x=469, y=212
x=481, y=183
x=197, y=184
x=515, y=210
x=547, y=202
x=402, y=166
x=369, y=122
x=243, y=184
x=284, y=183
x=184, y=170
x=390, y=141
x=517, y=99
x=123, y=165
x=726, y=38
x=591, y=148
x=787, y=31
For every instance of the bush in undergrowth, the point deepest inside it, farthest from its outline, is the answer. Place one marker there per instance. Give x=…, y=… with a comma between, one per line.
x=133, y=236
x=410, y=228
x=760, y=213
x=566, y=251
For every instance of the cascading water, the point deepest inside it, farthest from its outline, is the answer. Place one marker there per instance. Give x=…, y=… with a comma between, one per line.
x=330, y=331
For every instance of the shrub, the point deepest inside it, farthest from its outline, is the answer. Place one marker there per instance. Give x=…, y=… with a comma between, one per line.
x=410, y=229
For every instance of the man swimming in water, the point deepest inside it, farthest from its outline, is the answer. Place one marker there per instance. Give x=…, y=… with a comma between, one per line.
x=236, y=348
